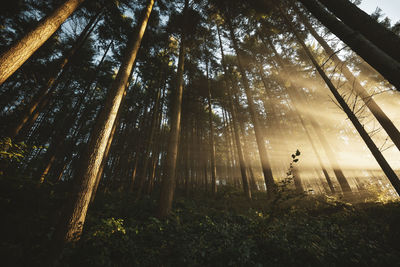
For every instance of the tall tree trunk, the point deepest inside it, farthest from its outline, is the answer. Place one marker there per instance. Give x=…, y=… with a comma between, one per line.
x=14, y=57
x=384, y=64
x=391, y=175
x=105, y=158
x=142, y=178
x=73, y=219
x=212, y=145
x=58, y=147
x=361, y=22
x=234, y=124
x=169, y=178
x=138, y=145
x=157, y=146
x=381, y=117
x=266, y=167
x=42, y=97
x=66, y=152
x=294, y=93
x=228, y=139
x=246, y=154
x=240, y=154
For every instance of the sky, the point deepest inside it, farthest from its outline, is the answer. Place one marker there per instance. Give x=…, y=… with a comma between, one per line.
x=391, y=8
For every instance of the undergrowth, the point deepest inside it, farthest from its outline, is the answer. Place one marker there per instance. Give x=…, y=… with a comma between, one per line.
x=227, y=230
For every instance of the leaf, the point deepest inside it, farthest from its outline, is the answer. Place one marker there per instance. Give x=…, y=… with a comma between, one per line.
x=297, y=152
x=296, y=160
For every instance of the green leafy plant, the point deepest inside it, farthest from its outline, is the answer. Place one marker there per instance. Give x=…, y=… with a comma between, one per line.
x=12, y=151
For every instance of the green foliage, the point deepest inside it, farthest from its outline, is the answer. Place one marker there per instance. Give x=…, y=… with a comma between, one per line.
x=226, y=230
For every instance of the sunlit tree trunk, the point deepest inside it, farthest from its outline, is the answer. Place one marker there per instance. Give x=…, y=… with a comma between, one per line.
x=383, y=63
x=105, y=158
x=246, y=154
x=295, y=93
x=360, y=21
x=212, y=145
x=67, y=151
x=58, y=146
x=228, y=139
x=46, y=91
x=282, y=142
x=235, y=126
x=391, y=175
x=381, y=117
x=169, y=178
x=236, y=169
x=266, y=167
x=73, y=219
x=240, y=154
x=18, y=53
x=295, y=104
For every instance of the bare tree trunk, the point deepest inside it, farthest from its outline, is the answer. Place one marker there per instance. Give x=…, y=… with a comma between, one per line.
x=212, y=145
x=46, y=91
x=157, y=145
x=235, y=127
x=384, y=64
x=229, y=154
x=391, y=175
x=360, y=21
x=381, y=117
x=105, y=157
x=294, y=94
x=142, y=178
x=246, y=154
x=169, y=178
x=71, y=225
x=266, y=167
x=14, y=57
x=242, y=162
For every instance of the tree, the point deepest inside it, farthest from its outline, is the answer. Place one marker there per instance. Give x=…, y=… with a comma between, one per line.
x=12, y=59
x=234, y=123
x=391, y=175
x=383, y=63
x=72, y=221
x=360, y=21
x=169, y=179
x=268, y=177
x=379, y=114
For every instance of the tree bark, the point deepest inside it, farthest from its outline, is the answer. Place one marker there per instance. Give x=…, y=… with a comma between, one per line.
x=234, y=124
x=73, y=219
x=266, y=167
x=361, y=22
x=169, y=178
x=18, y=53
x=150, y=141
x=328, y=150
x=378, y=113
x=212, y=145
x=42, y=97
x=384, y=64
x=294, y=96
x=391, y=175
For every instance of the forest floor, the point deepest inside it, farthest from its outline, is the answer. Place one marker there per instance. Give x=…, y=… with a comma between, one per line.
x=226, y=230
